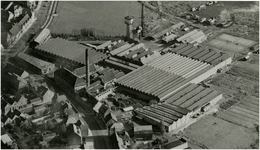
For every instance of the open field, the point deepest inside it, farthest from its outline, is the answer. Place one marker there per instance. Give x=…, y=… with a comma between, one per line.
x=245, y=113
x=106, y=17
x=231, y=43
x=216, y=133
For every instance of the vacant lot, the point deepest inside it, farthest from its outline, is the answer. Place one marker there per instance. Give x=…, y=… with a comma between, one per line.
x=105, y=17
x=216, y=133
x=231, y=43
x=245, y=113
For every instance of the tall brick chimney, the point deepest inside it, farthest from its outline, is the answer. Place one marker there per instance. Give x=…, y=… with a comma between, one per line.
x=87, y=68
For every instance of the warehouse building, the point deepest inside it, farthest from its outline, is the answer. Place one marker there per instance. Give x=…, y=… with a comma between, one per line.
x=38, y=65
x=172, y=116
x=42, y=36
x=67, y=53
x=193, y=37
x=171, y=28
x=179, y=107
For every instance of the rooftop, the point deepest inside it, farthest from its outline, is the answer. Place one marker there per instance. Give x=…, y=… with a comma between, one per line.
x=168, y=113
x=13, y=69
x=71, y=51
x=173, y=27
x=192, y=96
x=178, y=65
x=200, y=53
x=143, y=128
x=34, y=61
x=42, y=34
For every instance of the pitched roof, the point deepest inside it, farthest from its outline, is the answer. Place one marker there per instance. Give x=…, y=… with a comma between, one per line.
x=40, y=35
x=80, y=82
x=15, y=29
x=10, y=115
x=17, y=112
x=23, y=20
x=4, y=118
x=41, y=64
x=7, y=99
x=71, y=51
x=82, y=70
x=42, y=90
x=173, y=27
x=13, y=69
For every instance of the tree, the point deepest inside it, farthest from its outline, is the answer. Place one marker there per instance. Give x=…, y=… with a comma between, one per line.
x=162, y=127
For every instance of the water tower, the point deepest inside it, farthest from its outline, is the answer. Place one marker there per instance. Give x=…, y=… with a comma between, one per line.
x=129, y=20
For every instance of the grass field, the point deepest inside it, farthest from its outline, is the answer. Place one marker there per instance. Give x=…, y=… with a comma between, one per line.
x=231, y=43
x=216, y=133
x=104, y=16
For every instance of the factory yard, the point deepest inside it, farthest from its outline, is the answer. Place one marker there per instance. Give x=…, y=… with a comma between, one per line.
x=214, y=133
x=108, y=20
x=231, y=43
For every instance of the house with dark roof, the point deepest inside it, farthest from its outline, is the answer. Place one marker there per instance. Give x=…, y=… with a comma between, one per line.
x=46, y=94
x=68, y=81
x=5, y=106
x=100, y=110
x=5, y=120
x=20, y=100
x=16, y=71
x=12, y=81
x=143, y=132
x=11, y=115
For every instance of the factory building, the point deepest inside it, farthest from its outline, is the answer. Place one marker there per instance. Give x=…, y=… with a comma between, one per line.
x=193, y=37
x=179, y=107
x=42, y=36
x=67, y=53
x=167, y=30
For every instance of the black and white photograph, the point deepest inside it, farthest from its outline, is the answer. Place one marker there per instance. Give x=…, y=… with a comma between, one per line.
x=129, y=74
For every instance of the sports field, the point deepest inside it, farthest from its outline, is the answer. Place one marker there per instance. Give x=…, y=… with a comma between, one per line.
x=104, y=16
x=216, y=133
x=231, y=43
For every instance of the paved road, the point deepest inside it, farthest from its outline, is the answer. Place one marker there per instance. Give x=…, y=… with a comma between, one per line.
x=96, y=126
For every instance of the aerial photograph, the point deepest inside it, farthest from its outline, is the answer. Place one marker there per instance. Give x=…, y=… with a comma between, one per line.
x=129, y=74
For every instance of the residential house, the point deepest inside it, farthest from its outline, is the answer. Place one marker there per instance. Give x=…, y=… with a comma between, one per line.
x=117, y=127
x=11, y=115
x=16, y=71
x=39, y=110
x=89, y=143
x=8, y=104
x=12, y=81
x=46, y=94
x=20, y=100
x=47, y=137
x=5, y=120
x=143, y=132
x=110, y=119
x=5, y=106
x=120, y=140
x=5, y=138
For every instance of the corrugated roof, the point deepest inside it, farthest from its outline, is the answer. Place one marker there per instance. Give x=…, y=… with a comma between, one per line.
x=138, y=46
x=121, y=48
x=202, y=54
x=71, y=51
x=102, y=46
x=43, y=33
x=178, y=65
x=192, y=96
x=41, y=64
x=136, y=51
x=185, y=36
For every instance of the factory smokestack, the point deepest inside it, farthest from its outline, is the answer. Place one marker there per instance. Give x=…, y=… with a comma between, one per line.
x=129, y=20
x=87, y=68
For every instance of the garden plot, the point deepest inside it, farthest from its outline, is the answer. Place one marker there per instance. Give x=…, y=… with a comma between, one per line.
x=246, y=113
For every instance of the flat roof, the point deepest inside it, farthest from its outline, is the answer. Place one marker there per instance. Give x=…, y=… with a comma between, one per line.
x=143, y=128
x=71, y=50
x=34, y=61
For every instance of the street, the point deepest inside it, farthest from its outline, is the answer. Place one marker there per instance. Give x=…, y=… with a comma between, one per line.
x=96, y=125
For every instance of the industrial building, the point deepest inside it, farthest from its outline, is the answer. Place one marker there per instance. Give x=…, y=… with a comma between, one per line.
x=193, y=37
x=42, y=36
x=163, y=76
x=67, y=53
x=171, y=28
x=179, y=107
x=40, y=66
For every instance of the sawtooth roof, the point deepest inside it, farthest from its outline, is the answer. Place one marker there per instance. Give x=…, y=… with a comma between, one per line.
x=71, y=50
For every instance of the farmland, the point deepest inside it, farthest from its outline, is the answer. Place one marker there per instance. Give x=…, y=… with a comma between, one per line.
x=214, y=133
x=105, y=17
x=231, y=43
